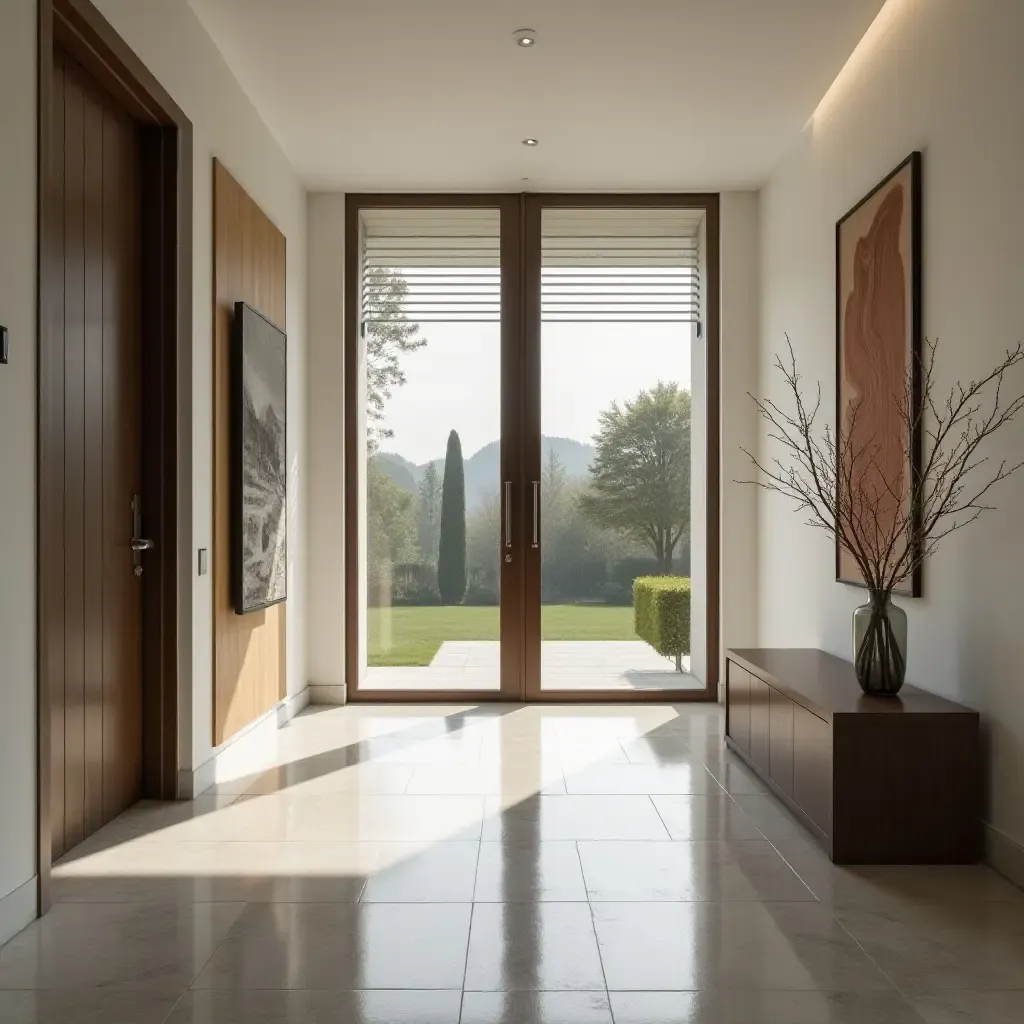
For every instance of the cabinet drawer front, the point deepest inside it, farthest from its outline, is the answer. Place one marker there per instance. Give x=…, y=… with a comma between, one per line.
x=812, y=767
x=739, y=705
x=760, y=721
x=780, y=752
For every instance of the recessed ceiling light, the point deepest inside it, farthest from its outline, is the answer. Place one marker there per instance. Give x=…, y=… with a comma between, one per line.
x=525, y=37
x=529, y=142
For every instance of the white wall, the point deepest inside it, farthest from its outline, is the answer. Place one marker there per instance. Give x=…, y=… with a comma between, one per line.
x=740, y=311
x=326, y=620
x=946, y=77
x=169, y=39
x=17, y=466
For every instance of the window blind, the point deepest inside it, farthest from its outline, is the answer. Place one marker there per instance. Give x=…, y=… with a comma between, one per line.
x=624, y=265
x=439, y=265
x=597, y=265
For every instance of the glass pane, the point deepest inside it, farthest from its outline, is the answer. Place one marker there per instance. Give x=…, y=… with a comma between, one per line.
x=620, y=299
x=430, y=522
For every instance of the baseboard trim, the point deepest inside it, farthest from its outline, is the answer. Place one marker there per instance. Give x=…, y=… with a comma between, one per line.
x=291, y=706
x=18, y=909
x=328, y=693
x=1004, y=855
x=246, y=751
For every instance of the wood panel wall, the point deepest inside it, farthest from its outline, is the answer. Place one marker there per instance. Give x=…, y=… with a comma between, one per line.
x=249, y=265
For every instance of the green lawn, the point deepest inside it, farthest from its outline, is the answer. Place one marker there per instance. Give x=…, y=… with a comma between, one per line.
x=412, y=636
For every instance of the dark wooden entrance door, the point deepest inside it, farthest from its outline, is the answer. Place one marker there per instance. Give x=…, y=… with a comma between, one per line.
x=95, y=687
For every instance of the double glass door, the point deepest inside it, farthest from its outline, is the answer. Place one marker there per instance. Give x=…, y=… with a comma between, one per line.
x=527, y=447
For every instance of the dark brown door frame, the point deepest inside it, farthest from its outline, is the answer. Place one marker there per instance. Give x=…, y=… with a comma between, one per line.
x=166, y=134
x=520, y=435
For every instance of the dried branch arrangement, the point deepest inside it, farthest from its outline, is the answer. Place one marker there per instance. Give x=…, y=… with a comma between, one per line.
x=851, y=485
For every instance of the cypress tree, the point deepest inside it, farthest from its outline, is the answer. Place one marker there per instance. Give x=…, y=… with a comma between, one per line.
x=451, y=546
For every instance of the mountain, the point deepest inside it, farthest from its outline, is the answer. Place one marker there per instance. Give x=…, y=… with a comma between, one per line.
x=483, y=469
x=401, y=471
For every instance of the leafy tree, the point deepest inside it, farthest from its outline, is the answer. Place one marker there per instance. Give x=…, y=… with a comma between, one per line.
x=483, y=547
x=640, y=477
x=390, y=523
x=451, y=545
x=429, y=513
x=389, y=335
x=553, y=479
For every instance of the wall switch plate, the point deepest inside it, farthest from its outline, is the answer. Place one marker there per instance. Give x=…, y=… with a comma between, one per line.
x=203, y=562
x=4, y=344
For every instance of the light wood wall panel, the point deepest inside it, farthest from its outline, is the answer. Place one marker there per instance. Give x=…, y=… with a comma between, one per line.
x=249, y=265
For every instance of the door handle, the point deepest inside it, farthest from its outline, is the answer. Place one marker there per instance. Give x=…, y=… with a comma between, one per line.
x=139, y=543
x=508, y=513
x=536, y=514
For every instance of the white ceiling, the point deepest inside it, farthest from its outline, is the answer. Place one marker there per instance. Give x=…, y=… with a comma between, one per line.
x=622, y=94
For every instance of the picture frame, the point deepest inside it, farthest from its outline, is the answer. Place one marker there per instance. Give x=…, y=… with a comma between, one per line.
x=879, y=334
x=259, y=522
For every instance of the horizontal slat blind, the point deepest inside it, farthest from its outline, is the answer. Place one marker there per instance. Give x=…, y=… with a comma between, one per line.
x=620, y=265
x=597, y=265
x=440, y=265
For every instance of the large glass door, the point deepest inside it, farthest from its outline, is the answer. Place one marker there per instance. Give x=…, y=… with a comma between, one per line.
x=434, y=459
x=531, y=475
x=616, y=455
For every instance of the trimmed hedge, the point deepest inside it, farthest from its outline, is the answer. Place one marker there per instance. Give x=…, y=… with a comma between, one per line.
x=661, y=614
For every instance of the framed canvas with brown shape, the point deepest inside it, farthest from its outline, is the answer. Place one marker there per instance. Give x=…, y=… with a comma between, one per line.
x=878, y=350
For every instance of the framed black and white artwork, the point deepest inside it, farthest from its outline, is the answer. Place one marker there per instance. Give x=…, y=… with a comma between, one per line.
x=259, y=527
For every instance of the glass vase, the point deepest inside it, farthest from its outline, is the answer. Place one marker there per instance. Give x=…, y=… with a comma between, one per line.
x=880, y=646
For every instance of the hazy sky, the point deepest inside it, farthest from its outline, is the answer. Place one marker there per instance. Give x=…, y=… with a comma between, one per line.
x=453, y=382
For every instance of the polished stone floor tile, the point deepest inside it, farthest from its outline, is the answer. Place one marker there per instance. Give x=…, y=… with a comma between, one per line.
x=894, y=885
x=535, y=1008
x=971, y=1008
x=309, y=777
x=153, y=821
x=516, y=872
x=681, y=946
x=936, y=947
x=533, y=946
x=85, y=1007
x=574, y=817
x=116, y=945
x=641, y=778
x=577, y=755
x=762, y=1007
x=734, y=776
x=664, y=750
x=518, y=777
x=317, y=1007
x=412, y=873
x=459, y=745
x=212, y=872
x=437, y=864
x=220, y=819
x=771, y=816
x=705, y=817
x=351, y=817
x=743, y=870
x=342, y=946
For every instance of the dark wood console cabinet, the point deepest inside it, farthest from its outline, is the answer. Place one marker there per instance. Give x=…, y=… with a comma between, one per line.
x=877, y=780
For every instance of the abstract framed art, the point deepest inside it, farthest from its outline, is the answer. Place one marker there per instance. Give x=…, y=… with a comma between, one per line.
x=878, y=353
x=260, y=472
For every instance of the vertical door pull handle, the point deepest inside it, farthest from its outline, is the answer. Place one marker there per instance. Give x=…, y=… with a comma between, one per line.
x=508, y=514
x=536, y=513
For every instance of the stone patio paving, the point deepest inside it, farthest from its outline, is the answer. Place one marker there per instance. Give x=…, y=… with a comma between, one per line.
x=565, y=665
